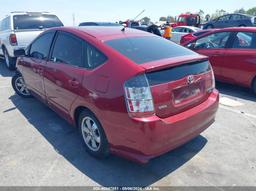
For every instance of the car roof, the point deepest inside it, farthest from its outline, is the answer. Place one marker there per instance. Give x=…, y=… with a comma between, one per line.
x=30, y=13
x=104, y=33
x=99, y=24
x=189, y=27
x=237, y=14
x=244, y=29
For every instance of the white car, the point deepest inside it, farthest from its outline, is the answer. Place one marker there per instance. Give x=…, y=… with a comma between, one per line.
x=19, y=29
x=180, y=31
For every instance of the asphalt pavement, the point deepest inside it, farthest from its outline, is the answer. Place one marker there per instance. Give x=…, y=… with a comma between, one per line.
x=38, y=148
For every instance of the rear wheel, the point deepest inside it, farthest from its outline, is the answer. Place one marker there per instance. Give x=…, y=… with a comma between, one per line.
x=93, y=135
x=10, y=62
x=19, y=86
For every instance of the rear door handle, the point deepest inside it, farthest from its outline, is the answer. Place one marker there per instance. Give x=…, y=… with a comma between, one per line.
x=73, y=83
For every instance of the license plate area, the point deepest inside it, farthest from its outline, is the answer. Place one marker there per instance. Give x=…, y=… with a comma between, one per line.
x=184, y=94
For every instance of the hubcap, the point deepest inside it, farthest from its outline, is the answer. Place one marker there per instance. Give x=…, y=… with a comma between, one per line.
x=91, y=133
x=21, y=86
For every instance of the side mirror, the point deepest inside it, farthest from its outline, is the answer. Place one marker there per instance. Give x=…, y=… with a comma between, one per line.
x=19, y=52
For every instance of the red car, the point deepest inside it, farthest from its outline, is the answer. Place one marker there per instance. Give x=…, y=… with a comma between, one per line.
x=191, y=36
x=129, y=92
x=232, y=53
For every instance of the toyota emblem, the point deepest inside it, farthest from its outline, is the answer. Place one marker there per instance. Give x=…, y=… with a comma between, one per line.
x=190, y=79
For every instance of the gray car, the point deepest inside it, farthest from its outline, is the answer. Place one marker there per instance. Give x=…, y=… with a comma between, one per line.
x=231, y=20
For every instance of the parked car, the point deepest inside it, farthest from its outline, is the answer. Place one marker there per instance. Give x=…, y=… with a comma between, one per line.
x=231, y=20
x=232, y=53
x=191, y=36
x=105, y=24
x=125, y=96
x=18, y=29
x=178, y=32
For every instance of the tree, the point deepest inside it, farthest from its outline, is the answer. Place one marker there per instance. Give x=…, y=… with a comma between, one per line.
x=242, y=11
x=170, y=19
x=218, y=13
x=163, y=19
x=201, y=13
x=251, y=11
x=145, y=20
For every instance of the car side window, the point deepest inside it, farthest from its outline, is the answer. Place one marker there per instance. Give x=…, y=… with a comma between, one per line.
x=243, y=40
x=177, y=29
x=5, y=24
x=224, y=18
x=68, y=49
x=40, y=48
x=236, y=17
x=95, y=58
x=213, y=41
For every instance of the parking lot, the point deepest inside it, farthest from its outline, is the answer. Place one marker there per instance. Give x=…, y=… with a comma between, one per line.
x=38, y=148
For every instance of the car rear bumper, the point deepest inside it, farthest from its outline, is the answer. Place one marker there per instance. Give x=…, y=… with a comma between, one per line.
x=155, y=136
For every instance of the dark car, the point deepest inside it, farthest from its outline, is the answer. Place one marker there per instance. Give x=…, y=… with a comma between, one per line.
x=103, y=24
x=125, y=96
x=232, y=53
x=231, y=20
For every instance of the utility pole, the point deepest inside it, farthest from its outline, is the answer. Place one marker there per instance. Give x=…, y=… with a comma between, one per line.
x=139, y=14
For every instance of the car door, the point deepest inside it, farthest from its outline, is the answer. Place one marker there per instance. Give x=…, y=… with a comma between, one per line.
x=214, y=46
x=223, y=22
x=239, y=63
x=32, y=65
x=64, y=71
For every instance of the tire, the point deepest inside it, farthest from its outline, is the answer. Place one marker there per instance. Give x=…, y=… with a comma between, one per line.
x=242, y=25
x=93, y=135
x=10, y=62
x=254, y=86
x=19, y=86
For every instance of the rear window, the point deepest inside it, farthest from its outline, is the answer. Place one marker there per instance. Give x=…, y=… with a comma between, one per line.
x=147, y=49
x=35, y=21
x=178, y=72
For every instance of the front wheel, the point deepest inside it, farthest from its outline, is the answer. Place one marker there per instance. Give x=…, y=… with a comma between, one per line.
x=19, y=86
x=93, y=135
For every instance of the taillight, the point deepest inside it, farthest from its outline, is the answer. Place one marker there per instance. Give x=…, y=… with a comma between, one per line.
x=138, y=96
x=212, y=86
x=13, y=39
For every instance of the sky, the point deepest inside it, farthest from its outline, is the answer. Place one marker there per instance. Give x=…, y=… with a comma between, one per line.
x=116, y=10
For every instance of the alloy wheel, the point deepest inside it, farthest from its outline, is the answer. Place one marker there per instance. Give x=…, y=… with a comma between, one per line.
x=91, y=134
x=21, y=86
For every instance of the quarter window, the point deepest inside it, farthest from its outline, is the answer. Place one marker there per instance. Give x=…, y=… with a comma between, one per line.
x=40, y=47
x=94, y=57
x=243, y=40
x=68, y=49
x=213, y=41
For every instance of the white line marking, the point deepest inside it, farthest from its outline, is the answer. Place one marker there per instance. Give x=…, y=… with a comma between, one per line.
x=238, y=111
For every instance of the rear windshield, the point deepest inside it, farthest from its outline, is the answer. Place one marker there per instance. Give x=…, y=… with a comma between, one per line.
x=35, y=21
x=148, y=48
x=178, y=72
